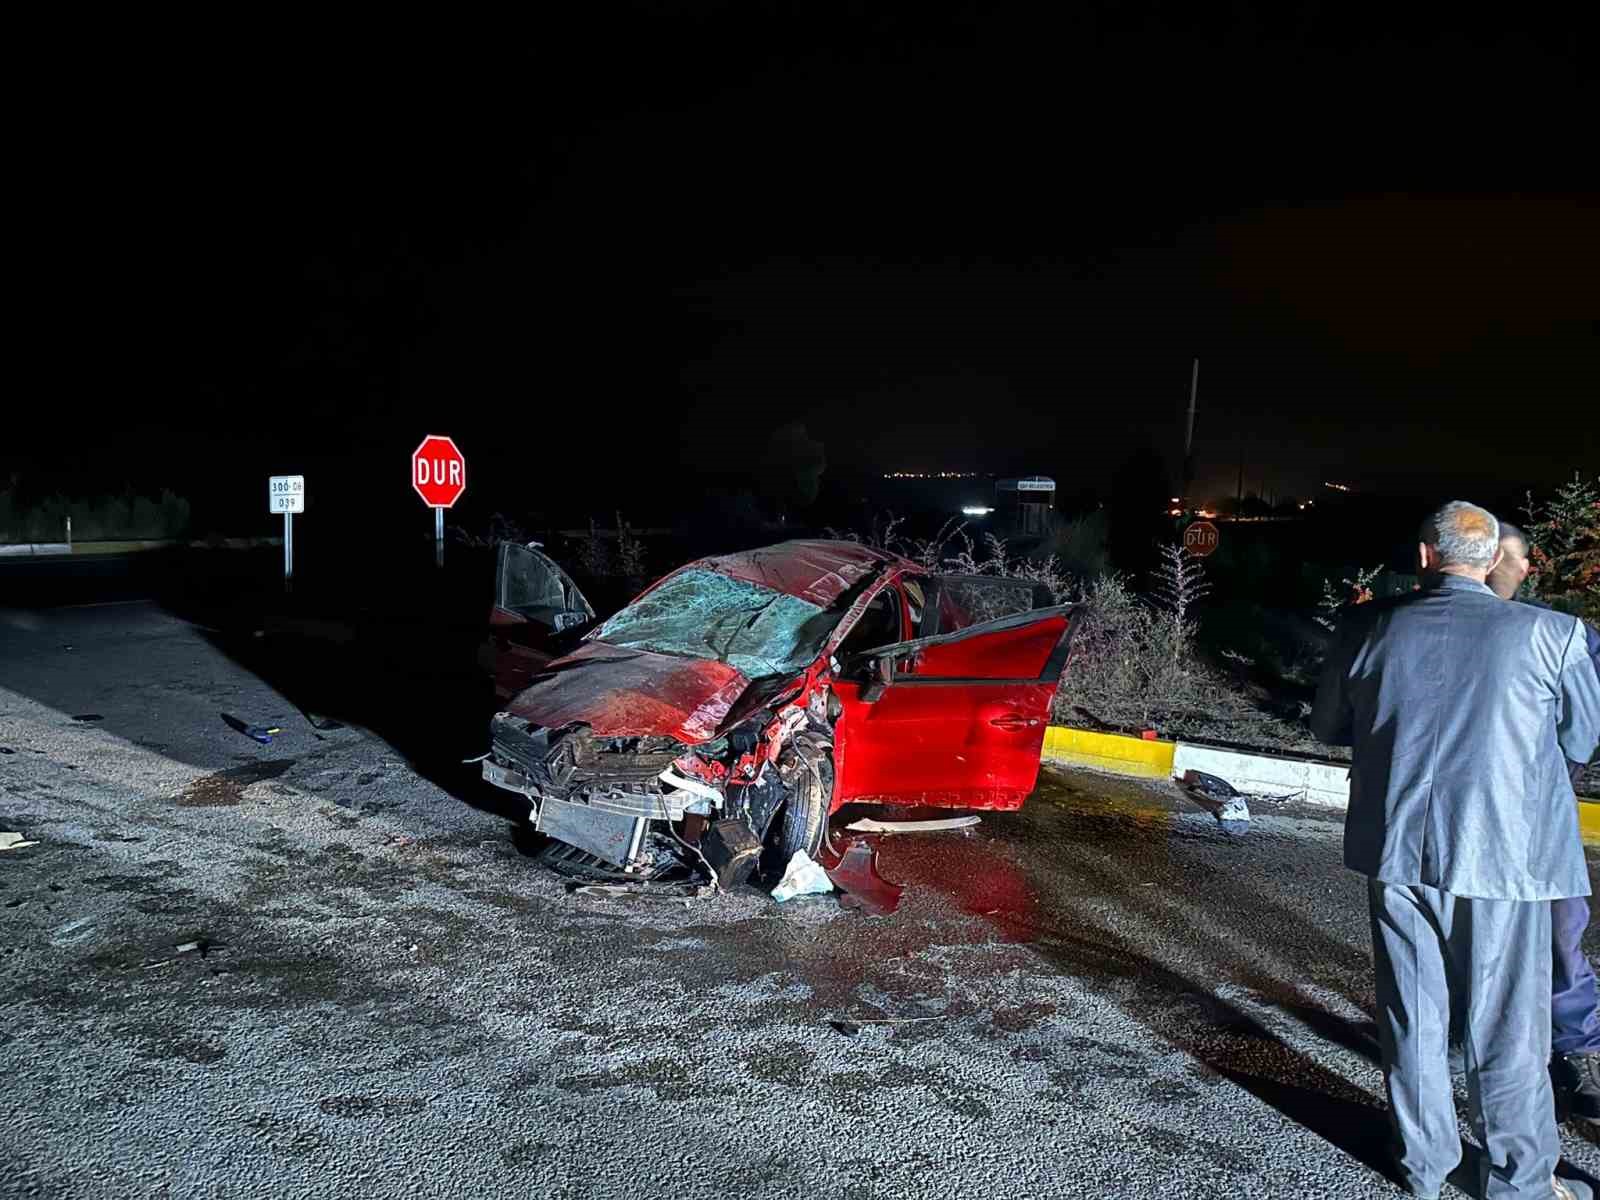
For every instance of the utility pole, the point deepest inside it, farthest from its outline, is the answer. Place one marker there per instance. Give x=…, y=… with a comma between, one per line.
x=1188, y=437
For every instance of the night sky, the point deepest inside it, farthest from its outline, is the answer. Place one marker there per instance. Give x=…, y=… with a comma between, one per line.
x=612, y=254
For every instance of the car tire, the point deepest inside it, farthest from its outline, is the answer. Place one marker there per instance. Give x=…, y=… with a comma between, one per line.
x=802, y=822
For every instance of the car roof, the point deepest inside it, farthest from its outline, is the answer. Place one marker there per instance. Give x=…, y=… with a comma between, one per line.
x=815, y=570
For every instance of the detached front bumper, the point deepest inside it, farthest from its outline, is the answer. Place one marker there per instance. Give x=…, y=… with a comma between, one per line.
x=614, y=836
x=598, y=801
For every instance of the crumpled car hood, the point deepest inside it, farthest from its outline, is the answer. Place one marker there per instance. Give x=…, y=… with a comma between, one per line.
x=632, y=693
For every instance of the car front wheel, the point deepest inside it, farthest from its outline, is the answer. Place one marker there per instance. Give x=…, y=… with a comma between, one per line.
x=802, y=823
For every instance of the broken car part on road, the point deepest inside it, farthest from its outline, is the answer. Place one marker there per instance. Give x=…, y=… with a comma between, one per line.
x=723, y=715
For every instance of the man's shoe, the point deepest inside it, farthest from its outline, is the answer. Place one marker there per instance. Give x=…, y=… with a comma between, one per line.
x=1576, y=1078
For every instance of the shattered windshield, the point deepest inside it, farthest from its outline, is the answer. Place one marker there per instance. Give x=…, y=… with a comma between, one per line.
x=703, y=614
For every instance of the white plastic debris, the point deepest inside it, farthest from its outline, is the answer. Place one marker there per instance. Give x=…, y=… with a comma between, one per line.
x=13, y=841
x=1234, y=809
x=937, y=825
x=802, y=877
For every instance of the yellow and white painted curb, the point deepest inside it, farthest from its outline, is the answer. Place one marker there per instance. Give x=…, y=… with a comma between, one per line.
x=1306, y=779
x=1109, y=752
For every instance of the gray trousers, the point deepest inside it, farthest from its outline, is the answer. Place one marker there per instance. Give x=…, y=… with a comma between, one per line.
x=1494, y=956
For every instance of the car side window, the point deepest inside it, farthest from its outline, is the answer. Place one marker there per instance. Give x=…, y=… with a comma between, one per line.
x=532, y=586
x=879, y=625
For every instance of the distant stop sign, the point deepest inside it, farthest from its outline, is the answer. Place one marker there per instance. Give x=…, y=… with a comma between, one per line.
x=438, y=471
x=1200, y=538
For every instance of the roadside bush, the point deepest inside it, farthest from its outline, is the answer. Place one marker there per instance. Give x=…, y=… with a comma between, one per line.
x=501, y=529
x=1337, y=597
x=1565, y=554
x=96, y=518
x=1133, y=662
x=611, y=553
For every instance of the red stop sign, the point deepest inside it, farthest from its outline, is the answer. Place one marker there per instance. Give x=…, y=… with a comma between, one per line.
x=438, y=471
x=1200, y=538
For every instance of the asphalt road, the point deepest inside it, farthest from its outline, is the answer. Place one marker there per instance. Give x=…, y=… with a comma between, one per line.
x=1102, y=995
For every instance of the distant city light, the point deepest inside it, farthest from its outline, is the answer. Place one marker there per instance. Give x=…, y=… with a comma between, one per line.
x=930, y=474
x=975, y=510
x=1177, y=500
x=1338, y=487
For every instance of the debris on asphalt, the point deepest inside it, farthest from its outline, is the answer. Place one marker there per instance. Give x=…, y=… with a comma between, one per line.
x=852, y=1027
x=680, y=893
x=261, y=733
x=1216, y=795
x=856, y=875
x=10, y=840
x=323, y=723
x=802, y=877
x=936, y=825
x=732, y=850
x=87, y=718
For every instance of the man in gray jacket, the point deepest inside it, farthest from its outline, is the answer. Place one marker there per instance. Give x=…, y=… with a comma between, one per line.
x=1462, y=711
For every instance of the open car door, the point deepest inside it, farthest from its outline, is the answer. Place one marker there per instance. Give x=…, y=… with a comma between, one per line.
x=536, y=605
x=955, y=719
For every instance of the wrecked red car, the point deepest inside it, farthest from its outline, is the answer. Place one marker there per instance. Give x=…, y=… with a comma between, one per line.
x=738, y=701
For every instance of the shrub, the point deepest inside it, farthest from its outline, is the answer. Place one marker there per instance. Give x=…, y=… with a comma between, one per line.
x=501, y=529
x=95, y=518
x=1336, y=598
x=1565, y=554
x=598, y=558
x=1133, y=661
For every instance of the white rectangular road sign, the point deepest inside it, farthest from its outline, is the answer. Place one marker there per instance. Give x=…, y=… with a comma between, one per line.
x=286, y=493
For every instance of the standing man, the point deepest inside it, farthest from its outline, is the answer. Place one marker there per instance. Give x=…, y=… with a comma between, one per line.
x=1461, y=710
x=1574, y=999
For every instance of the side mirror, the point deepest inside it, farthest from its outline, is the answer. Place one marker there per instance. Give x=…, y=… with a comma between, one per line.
x=872, y=692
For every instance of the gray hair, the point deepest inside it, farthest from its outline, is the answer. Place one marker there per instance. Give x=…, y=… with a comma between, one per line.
x=1463, y=534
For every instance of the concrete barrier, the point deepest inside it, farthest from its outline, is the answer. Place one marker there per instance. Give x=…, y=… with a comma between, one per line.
x=1314, y=781
x=1268, y=774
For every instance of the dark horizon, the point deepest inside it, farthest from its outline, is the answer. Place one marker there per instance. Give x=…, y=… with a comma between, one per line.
x=570, y=251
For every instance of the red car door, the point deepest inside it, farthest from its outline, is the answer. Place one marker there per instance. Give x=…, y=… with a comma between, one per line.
x=955, y=720
x=535, y=600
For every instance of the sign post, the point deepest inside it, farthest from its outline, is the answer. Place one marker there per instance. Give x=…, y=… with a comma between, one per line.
x=439, y=476
x=1200, y=538
x=286, y=494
